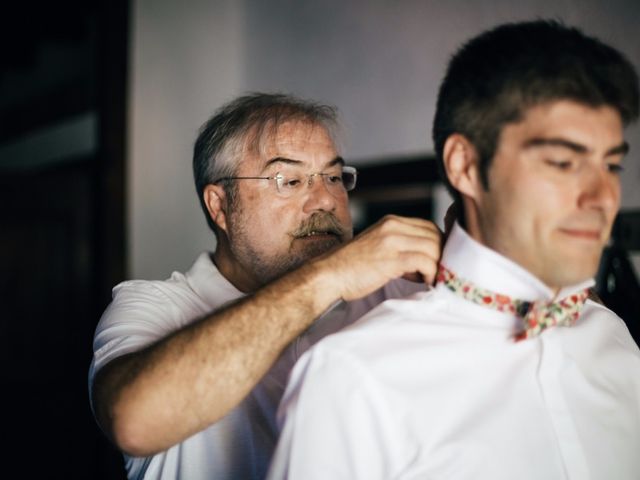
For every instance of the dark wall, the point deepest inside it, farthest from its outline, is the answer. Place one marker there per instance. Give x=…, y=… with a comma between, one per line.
x=62, y=230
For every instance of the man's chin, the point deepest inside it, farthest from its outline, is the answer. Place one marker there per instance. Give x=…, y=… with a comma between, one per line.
x=572, y=276
x=301, y=251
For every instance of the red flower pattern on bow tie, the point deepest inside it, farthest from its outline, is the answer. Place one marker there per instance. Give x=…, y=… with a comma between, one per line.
x=536, y=316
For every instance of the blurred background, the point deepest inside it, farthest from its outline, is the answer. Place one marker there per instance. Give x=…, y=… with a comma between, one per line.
x=100, y=103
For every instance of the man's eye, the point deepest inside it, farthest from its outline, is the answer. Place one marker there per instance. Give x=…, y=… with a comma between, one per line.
x=291, y=182
x=559, y=164
x=334, y=179
x=615, y=167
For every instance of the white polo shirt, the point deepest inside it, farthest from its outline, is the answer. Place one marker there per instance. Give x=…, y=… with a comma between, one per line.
x=240, y=445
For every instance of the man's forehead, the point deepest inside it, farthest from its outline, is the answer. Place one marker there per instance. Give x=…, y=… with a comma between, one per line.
x=298, y=132
x=276, y=139
x=573, y=121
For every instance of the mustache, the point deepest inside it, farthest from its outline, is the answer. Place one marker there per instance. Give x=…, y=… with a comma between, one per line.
x=325, y=222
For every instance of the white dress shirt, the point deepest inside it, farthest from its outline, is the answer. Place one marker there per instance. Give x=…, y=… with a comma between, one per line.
x=434, y=387
x=239, y=446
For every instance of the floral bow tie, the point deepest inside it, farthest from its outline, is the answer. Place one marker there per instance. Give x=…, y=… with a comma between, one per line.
x=536, y=316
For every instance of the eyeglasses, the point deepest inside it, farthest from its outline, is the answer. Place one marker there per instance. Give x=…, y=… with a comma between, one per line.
x=290, y=182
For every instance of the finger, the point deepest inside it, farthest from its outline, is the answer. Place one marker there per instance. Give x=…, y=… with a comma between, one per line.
x=391, y=225
x=420, y=264
x=414, y=221
x=423, y=244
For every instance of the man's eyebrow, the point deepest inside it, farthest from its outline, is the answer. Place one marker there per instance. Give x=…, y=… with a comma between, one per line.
x=287, y=161
x=621, y=149
x=336, y=161
x=290, y=161
x=555, y=142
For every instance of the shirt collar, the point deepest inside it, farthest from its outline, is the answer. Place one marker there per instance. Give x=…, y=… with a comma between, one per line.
x=210, y=285
x=488, y=269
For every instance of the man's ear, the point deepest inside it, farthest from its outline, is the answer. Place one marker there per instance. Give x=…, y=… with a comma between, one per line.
x=216, y=201
x=461, y=165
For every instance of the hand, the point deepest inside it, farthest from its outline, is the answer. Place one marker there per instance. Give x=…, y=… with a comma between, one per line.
x=393, y=247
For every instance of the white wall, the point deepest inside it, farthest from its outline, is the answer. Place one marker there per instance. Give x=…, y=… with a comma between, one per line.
x=379, y=61
x=186, y=60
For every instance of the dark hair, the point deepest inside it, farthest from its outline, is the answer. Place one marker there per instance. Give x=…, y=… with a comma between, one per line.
x=495, y=77
x=245, y=122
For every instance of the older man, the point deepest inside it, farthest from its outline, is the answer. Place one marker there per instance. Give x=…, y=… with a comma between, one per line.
x=505, y=370
x=187, y=393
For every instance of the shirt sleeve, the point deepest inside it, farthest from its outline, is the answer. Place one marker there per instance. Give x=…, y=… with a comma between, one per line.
x=139, y=314
x=337, y=423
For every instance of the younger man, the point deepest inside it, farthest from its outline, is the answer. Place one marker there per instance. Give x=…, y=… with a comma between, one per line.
x=480, y=378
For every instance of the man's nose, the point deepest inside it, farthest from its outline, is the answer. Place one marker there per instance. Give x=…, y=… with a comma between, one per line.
x=600, y=189
x=318, y=196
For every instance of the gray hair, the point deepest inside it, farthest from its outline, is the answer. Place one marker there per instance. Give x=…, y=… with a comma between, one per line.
x=248, y=121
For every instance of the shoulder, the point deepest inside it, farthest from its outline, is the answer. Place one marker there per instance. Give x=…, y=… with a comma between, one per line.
x=387, y=328
x=365, y=360
x=413, y=307
x=134, y=299
x=143, y=311
x=606, y=326
x=180, y=298
x=601, y=342
x=595, y=313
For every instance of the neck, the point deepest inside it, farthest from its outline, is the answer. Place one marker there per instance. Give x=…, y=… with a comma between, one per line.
x=481, y=233
x=232, y=270
x=470, y=259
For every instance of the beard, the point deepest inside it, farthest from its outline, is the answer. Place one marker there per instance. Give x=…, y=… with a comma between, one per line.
x=315, y=236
